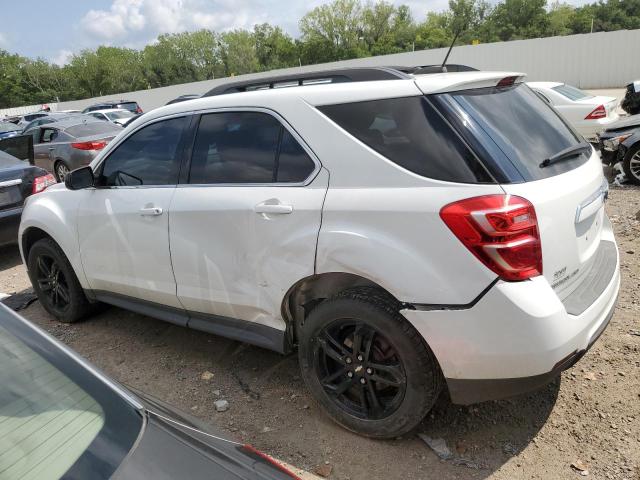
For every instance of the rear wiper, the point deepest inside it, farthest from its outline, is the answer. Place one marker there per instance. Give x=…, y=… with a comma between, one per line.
x=583, y=147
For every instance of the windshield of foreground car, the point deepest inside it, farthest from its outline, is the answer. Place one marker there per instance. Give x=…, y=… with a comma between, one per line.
x=524, y=127
x=56, y=419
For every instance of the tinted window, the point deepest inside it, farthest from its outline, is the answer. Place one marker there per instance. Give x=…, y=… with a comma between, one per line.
x=410, y=133
x=131, y=106
x=235, y=147
x=49, y=135
x=58, y=420
x=148, y=157
x=294, y=164
x=572, y=93
x=523, y=126
x=93, y=128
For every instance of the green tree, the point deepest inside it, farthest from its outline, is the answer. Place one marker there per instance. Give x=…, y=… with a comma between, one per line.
x=274, y=48
x=238, y=52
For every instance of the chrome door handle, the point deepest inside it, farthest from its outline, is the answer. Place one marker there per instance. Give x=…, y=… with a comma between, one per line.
x=150, y=211
x=277, y=208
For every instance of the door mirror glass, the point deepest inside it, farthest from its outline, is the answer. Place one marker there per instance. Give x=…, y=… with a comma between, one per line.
x=79, y=179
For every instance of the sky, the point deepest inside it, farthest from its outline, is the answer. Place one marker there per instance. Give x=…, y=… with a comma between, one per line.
x=54, y=30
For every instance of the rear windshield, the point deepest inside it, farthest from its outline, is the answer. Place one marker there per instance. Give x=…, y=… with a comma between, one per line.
x=56, y=419
x=411, y=133
x=93, y=128
x=525, y=129
x=131, y=106
x=572, y=93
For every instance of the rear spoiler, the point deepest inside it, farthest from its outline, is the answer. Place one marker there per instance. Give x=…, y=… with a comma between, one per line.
x=20, y=146
x=454, y=81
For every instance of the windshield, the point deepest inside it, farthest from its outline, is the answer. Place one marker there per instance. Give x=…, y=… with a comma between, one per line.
x=56, y=419
x=572, y=93
x=523, y=127
x=118, y=115
x=8, y=127
x=92, y=128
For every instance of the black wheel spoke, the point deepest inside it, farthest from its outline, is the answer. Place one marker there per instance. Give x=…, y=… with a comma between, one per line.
x=63, y=293
x=394, y=371
x=332, y=348
x=330, y=378
x=44, y=284
x=340, y=388
x=368, y=345
x=362, y=394
x=357, y=339
x=373, y=398
x=42, y=266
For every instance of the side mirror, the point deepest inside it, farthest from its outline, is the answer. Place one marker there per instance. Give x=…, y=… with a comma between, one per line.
x=79, y=179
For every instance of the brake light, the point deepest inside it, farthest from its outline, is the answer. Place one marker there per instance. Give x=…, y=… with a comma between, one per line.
x=501, y=231
x=598, y=112
x=257, y=454
x=507, y=81
x=41, y=183
x=138, y=109
x=95, y=145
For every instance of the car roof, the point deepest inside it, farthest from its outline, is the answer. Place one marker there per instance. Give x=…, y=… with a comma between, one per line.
x=341, y=92
x=71, y=122
x=107, y=110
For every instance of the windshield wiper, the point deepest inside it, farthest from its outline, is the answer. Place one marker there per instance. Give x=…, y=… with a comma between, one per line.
x=566, y=153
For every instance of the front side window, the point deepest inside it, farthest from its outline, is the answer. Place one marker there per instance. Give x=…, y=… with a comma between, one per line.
x=147, y=157
x=409, y=132
x=246, y=147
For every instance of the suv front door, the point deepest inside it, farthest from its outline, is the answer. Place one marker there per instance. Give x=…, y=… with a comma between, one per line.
x=123, y=222
x=244, y=228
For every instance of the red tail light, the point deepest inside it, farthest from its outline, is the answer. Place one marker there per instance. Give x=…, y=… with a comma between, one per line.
x=257, y=454
x=598, y=112
x=41, y=183
x=95, y=145
x=507, y=81
x=138, y=109
x=501, y=230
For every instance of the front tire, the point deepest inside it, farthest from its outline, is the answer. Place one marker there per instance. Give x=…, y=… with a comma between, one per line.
x=631, y=164
x=366, y=365
x=55, y=283
x=61, y=170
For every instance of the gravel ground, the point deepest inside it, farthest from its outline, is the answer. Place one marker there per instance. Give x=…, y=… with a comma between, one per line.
x=589, y=417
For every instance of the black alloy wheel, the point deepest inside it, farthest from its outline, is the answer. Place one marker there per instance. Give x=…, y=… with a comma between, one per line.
x=52, y=282
x=359, y=369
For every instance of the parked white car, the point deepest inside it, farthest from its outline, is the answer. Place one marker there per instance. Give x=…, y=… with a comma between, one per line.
x=404, y=232
x=119, y=116
x=587, y=113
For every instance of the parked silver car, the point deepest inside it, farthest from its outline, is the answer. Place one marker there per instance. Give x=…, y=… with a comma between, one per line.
x=50, y=118
x=68, y=144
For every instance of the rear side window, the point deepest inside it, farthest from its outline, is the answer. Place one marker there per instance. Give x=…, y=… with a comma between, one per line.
x=409, y=132
x=524, y=128
x=147, y=157
x=246, y=147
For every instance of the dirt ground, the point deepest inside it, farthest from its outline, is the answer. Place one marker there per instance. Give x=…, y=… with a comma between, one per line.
x=591, y=414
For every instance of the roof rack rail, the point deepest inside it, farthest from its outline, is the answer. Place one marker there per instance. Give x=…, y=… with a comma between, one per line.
x=342, y=75
x=354, y=74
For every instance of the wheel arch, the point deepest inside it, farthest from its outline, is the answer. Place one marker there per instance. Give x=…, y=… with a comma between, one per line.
x=308, y=292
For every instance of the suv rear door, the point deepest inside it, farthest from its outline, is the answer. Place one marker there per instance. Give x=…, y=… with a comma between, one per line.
x=243, y=227
x=521, y=131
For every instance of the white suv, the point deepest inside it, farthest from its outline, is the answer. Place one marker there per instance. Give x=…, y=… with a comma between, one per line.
x=405, y=232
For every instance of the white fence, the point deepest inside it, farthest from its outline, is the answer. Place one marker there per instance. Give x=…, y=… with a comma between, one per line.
x=590, y=61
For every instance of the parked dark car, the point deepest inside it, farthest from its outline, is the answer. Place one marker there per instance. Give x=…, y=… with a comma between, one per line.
x=18, y=180
x=69, y=144
x=130, y=105
x=64, y=419
x=183, y=98
x=8, y=129
x=621, y=143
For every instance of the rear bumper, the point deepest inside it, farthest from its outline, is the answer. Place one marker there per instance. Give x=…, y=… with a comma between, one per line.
x=516, y=338
x=9, y=225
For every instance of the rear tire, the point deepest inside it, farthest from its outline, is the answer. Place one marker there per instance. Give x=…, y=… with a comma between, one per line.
x=631, y=164
x=366, y=365
x=55, y=283
x=61, y=170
